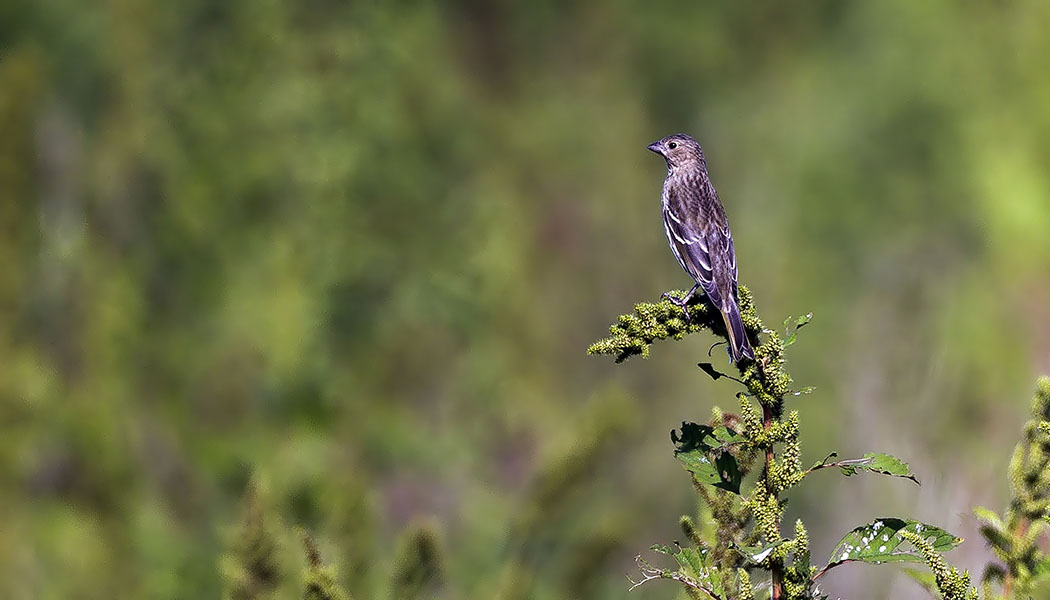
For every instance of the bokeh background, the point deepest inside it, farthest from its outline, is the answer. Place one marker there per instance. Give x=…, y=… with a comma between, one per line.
x=353, y=253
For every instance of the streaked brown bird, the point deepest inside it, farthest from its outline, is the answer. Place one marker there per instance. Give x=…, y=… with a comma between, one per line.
x=698, y=232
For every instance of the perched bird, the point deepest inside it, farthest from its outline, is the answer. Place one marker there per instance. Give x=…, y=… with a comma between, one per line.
x=698, y=232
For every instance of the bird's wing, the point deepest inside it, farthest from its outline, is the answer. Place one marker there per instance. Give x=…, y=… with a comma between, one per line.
x=731, y=253
x=691, y=246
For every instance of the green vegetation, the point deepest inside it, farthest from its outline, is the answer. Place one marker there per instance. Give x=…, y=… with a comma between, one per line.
x=1024, y=570
x=346, y=255
x=741, y=528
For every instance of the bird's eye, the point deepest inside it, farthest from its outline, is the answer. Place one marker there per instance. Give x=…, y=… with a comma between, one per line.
x=672, y=145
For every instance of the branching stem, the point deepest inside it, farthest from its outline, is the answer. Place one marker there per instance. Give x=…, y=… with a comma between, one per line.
x=650, y=573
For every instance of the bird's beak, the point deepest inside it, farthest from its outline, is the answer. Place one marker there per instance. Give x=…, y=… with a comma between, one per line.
x=655, y=147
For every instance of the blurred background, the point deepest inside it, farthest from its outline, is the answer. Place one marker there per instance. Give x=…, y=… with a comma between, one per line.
x=351, y=254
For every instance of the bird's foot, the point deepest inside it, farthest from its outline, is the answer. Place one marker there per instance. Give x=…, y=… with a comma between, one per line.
x=672, y=299
x=682, y=303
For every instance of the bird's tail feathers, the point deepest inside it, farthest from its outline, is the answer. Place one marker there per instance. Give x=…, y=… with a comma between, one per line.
x=739, y=346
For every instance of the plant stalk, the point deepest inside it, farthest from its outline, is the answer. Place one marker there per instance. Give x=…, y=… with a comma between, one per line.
x=776, y=566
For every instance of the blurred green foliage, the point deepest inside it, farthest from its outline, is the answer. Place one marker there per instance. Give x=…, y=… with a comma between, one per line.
x=354, y=250
x=1018, y=537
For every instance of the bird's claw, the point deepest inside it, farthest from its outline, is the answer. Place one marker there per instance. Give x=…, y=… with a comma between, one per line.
x=681, y=303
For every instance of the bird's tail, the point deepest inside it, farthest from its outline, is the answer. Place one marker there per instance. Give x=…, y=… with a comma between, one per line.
x=739, y=346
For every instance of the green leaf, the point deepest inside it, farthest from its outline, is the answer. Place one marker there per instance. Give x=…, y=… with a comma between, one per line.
x=692, y=566
x=706, y=437
x=722, y=472
x=704, y=451
x=756, y=554
x=726, y=436
x=880, y=542
x=791, y=329
x=884, y=464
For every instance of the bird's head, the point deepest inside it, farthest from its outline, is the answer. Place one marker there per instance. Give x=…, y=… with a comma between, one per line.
x=678, y=150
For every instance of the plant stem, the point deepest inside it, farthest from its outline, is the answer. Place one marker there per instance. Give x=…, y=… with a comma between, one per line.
x=776, y=566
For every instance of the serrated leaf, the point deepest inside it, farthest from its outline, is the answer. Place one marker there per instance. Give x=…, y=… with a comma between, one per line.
x=703, y=451
x=880, y=542
x=883, y=464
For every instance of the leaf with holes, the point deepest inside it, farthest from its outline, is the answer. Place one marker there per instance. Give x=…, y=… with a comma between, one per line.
x=721, y=472
x=880, y=542
x=704, y=451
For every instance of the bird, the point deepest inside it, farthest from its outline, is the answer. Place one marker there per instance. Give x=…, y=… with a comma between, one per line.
x=698, y=232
